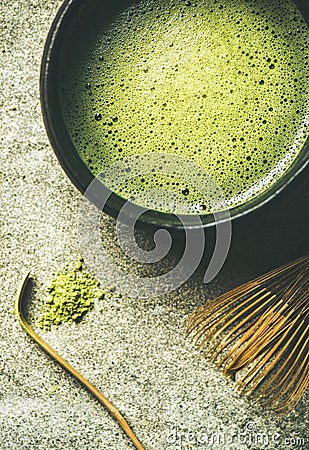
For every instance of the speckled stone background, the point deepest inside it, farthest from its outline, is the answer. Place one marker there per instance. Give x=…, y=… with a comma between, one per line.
x=135, y=350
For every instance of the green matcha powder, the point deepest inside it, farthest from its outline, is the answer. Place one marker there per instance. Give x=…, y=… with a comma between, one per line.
x=71, y=294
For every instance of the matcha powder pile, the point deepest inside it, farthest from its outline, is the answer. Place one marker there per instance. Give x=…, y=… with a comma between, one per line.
x=71, y=294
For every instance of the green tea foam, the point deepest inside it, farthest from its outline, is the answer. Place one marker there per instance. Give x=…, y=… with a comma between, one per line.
x=221, y=83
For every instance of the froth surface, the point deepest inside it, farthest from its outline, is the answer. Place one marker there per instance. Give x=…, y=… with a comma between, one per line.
x=221, y=83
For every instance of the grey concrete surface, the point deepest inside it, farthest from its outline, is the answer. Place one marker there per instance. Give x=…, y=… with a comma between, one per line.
x=135, y=352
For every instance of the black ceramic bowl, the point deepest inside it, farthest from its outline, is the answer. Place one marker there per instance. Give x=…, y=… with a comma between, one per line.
x=75, y=26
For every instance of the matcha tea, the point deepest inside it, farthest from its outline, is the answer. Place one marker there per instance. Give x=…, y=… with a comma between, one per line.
x=223, y=84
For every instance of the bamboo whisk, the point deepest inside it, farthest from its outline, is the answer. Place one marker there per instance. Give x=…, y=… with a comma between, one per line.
x=262, y=330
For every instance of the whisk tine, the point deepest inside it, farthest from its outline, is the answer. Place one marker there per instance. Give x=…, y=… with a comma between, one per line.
x=283, y=374
x=261, y=328
x=264, y=360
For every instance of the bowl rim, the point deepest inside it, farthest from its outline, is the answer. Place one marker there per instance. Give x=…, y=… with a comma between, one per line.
x=82, y=177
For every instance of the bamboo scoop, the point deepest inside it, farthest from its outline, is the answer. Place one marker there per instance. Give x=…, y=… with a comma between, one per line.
x=103, y=400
